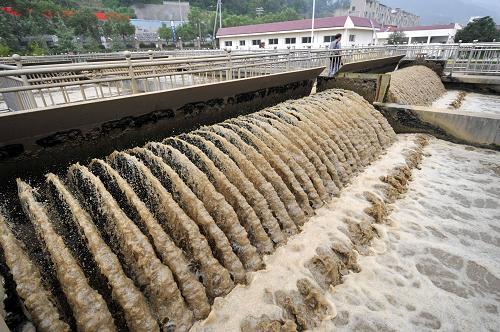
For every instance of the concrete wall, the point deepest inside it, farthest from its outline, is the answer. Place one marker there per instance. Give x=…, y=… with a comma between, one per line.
x=366, y=87
x=34, y=142
x=363, y=77
x=476, y=129
x=436, y=65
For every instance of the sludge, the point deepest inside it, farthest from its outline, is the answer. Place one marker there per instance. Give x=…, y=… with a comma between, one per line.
x=184, y=220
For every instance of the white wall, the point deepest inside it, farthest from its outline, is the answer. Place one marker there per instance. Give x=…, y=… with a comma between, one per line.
x=429, y=36
x=363, y=37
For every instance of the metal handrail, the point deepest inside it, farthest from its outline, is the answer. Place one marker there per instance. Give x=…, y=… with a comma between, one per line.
x=84, y=57
x=44, y=85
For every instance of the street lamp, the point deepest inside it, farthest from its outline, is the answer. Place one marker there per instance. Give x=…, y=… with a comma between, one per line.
x=312, y=23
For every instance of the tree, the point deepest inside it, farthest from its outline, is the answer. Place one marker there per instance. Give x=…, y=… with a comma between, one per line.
x=35, y=49
x=397, y=37
x=117, y=44
x=84, y=23
x=166, y=33
x=4, y=50
x=91, y=45
x=11, y=32
x=118, y=28
x=202, y=22
x=65, y=38
x=186, y=32
x=482, y=29
x=124, y=29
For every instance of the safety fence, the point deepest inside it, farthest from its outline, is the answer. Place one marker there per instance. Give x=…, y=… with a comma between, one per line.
x=460, y=58
x=36, y=86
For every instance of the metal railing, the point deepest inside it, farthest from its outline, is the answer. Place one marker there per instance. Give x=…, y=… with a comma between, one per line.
x=475, y=60
x=94, y=57
x=50, y=85
x=470, y=58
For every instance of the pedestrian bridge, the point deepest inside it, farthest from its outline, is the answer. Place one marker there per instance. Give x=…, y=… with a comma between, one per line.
x=42, y=85
x=40, y=82
x=65, y=112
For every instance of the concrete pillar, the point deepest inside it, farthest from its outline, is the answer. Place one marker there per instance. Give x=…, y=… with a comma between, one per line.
x=429, y=40
x=409, y=40
x=31, y=98
x=133, y=82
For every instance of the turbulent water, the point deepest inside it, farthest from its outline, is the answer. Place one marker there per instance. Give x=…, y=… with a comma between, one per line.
x=412, y=244
x=148, y=238
x=415, y=85
x=465, y=101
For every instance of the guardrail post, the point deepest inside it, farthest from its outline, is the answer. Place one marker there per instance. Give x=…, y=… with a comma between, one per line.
x=131, y=74
x=289, y=58
x=150, y=55
x=472, y=53
x=17, y=59
x=229, y=75
x=456, y=53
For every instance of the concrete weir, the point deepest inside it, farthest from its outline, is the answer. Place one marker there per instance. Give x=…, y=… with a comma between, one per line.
x=147, y=239
x=408, y=108
x=464, y=127
x=222, y=207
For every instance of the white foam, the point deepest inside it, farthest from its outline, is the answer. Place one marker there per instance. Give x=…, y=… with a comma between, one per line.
x=442, y=265
x=444, y=240
x=473, y=102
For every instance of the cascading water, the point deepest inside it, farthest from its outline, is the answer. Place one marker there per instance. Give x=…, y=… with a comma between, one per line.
x=171, y=226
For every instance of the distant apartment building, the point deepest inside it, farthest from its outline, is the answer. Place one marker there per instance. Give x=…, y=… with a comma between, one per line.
x=356, y=31
x=374, y=10
x=151, y=17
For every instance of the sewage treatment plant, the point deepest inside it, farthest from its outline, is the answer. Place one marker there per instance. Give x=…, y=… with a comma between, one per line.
x=247, y=191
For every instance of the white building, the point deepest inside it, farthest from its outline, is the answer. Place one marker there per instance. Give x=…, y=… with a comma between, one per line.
x=426, y=34
x=376, y=11
x=356, y=31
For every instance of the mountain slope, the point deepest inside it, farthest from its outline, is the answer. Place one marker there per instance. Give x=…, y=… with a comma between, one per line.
x=446, y=11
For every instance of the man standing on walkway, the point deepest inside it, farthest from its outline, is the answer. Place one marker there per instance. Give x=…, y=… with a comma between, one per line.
x=335, y=59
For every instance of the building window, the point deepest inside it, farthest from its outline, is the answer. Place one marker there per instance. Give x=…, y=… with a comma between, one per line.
x=306, y=40
x=353, y=8
x=256, y=42
x=242, y=43
x=352, y=38
x=228, y=43
x=328, y=39
x=290, y=40
x=273, y=41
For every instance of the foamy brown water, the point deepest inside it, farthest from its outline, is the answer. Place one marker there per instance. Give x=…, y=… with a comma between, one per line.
x=281, y=219
x=436, y=264
x=174, y=225
x=472, y=102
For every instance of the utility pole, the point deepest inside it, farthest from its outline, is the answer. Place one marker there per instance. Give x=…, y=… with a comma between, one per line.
x=218, y=14
x=312, y=23
x=180, y=12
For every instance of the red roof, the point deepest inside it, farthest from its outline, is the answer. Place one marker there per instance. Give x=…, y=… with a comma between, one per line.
x=320, y=23
x=10, y=11
x=423, y=27
x=101, y=16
